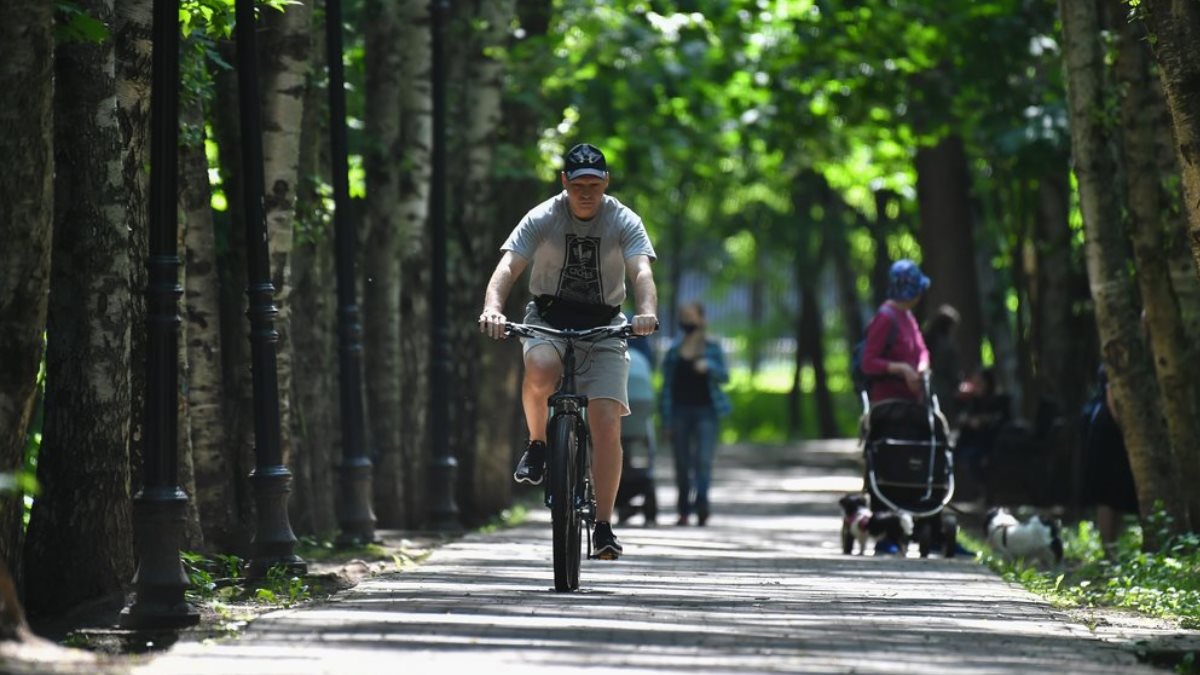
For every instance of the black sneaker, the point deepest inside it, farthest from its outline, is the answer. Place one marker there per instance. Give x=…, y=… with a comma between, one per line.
x=605, y=545
x=532, y=467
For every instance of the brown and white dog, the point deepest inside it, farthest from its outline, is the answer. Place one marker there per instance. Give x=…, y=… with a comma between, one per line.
x=859, y=524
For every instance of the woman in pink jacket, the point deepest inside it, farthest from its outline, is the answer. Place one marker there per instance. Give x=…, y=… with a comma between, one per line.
x=895, y=357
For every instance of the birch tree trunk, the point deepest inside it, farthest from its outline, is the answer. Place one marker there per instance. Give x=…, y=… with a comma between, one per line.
x=26, y=217
x=80, y=540
x=131, y=35
x=395, y=296
x=1174, y=27
x=389, y=76
x=315, y=422
x=284, y=59
x=1149, y=221
x=485, y=488
x=1154, y=465
x=214, y=477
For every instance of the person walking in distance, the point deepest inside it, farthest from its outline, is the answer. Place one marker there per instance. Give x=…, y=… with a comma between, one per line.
x=582, y=244
x=692, y=403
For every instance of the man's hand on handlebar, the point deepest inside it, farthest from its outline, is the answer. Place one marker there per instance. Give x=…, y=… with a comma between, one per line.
x=491, y=324
x=644, y=324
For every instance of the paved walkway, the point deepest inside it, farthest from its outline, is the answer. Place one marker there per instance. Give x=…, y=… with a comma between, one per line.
x=763, y=588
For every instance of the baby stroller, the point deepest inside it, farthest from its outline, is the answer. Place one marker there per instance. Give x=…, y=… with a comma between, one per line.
x=636, y=491
x=910, y=467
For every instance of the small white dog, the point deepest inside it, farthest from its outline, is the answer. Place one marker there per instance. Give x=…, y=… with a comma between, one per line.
x=1034, y=540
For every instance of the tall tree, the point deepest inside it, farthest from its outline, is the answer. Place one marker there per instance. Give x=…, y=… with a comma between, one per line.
x=1174, y=27
x=80, y=538
x=487, y=375
x=131, y=36
x=284, y=61
x=1155, y=469
x=390, y=29
x=946, y=233
x=233, y=275
x=205, y=394
x=1149, y=221
x=26, y=216
x=315, y=429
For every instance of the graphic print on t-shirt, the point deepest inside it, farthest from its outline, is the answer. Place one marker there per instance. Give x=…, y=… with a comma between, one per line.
x=580, y=280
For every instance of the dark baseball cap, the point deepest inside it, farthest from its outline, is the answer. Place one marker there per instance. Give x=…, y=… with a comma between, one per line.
x=584, y=159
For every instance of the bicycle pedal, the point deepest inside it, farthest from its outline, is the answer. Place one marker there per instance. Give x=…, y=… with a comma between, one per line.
x=605, y=555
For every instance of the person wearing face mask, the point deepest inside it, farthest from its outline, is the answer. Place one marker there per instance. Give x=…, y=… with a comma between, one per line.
x=691, y=405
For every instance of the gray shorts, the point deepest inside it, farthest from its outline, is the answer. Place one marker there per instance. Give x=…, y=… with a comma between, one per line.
x=601, y=367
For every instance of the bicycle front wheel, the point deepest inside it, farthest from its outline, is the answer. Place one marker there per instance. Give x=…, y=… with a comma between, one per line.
x=564, y=513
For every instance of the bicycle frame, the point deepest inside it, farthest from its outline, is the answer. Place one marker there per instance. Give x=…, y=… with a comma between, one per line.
x=574, y=486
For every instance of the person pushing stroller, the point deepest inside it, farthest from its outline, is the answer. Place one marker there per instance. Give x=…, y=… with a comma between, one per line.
x=895, y=357
x=909, y=467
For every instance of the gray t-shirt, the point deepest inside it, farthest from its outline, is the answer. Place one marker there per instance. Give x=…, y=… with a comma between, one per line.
x=581, y=260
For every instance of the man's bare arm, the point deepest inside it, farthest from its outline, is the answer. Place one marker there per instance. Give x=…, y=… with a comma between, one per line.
x=645, y=294
x=508, y=270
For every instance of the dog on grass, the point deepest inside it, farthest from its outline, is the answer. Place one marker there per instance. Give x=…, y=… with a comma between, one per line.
x=859, y=524
x=1035, y=540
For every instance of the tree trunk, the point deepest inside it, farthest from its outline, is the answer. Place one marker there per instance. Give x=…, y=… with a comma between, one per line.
x=947, y=242
x=80, y=537
x=518, y=136
x=214, y=477
x=1154, y=465
x=390, y=76
x=1174, y=27
x=284, y=58
x=26, y=217
x=880, y=228
x=315, y=422
x=1149, y=221
x=486, y=489
x=237, y=379
x=1056, y=354
x=131, y=35
x=813, y=343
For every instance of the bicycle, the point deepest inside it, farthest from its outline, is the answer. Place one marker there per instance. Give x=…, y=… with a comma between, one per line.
x=568, y=492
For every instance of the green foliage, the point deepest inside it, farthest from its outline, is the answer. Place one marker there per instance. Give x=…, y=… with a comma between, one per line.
x=316, y=549
x=220, y=579
x=1164, y=583
x=510, y=517
x=760, y=408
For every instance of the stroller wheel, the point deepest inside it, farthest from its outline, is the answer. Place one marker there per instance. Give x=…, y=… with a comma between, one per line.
x=924, y=538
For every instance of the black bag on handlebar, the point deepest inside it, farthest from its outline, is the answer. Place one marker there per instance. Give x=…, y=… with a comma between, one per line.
x=563, y=314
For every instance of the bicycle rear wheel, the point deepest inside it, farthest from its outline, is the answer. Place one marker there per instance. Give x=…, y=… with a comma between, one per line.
x=564, y=513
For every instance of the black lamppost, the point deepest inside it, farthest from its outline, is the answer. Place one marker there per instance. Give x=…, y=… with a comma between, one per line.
x=159, y=506
x=274, y=542
x=443, y=512
x=355, y=517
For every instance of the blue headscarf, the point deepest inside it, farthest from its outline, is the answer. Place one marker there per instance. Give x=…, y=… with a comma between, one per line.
x=905, y=281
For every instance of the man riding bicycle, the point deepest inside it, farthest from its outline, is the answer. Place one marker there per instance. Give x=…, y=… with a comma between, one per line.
x=580, y=242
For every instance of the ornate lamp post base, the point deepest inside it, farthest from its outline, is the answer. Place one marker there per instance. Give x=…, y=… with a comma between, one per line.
x=356, y=518
x=274, y=542
x=443, y=511
x=160, y=580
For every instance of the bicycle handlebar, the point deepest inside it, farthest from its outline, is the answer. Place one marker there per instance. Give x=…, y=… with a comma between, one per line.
x=624, y=331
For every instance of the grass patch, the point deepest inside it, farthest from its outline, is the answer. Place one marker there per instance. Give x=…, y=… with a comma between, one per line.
x=1164, y=583
x=510, y=517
